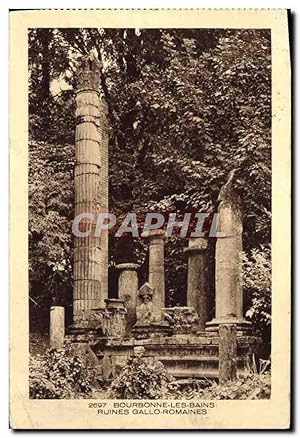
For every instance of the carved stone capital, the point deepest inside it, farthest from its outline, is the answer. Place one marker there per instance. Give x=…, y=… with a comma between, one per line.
x=88, y=73
x=127, y=266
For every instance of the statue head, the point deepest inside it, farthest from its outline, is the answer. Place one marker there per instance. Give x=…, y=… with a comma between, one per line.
x=138, y=351
x=145, y=293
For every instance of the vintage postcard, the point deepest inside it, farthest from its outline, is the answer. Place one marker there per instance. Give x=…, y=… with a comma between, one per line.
x=150, y=255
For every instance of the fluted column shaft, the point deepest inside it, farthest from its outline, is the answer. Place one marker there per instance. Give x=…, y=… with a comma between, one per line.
x=91, y=191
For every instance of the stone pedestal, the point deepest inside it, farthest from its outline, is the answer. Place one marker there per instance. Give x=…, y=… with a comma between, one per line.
x=127, y=291
x=197, y=279
x=57, y=326
x=156, y=271
x=80, y=342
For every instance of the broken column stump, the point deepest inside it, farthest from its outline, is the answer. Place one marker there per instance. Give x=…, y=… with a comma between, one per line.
x=127, y=291
x=57, y=326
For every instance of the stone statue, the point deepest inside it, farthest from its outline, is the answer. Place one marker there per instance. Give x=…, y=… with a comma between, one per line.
x=144, y=310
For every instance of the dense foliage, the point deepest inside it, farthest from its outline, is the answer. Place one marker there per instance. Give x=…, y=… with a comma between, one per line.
x=50, y=240
x=185, y=108
x=257, y=277
x=249, y=387
x=57, y=375
x=140, y=379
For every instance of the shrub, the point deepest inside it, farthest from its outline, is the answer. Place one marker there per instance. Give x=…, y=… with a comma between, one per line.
x=187, y=389
x=249, y=387
x=140, y=379
x=257, y=273
x=57, y=374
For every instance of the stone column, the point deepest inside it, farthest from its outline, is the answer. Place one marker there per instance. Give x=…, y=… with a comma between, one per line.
x=227, y=353
x=127, y=291
x=57, y=326
x=103, y=194
x=197, y=278
x=91, y=185
x=229, y=293
x=157, y=271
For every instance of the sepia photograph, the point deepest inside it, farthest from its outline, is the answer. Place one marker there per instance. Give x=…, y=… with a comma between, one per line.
x=149, y=205
x=140, y=139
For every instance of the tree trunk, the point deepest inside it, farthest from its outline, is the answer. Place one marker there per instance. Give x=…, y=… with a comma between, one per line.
x=45, y=41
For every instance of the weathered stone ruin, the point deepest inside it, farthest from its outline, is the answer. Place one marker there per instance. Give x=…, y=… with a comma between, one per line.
x=105, y=330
